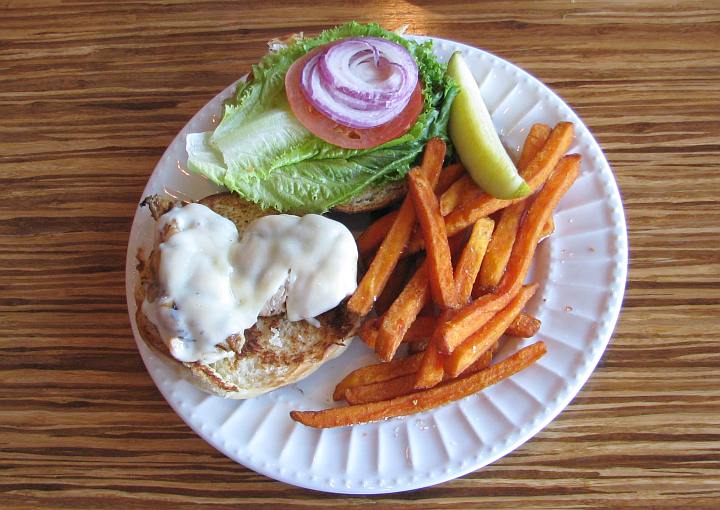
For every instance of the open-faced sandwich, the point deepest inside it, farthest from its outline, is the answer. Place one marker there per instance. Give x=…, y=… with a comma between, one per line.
x=253, y=289
x=247, y=299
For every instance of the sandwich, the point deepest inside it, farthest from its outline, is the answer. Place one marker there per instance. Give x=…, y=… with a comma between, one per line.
x=271, y=352
x=243, y=296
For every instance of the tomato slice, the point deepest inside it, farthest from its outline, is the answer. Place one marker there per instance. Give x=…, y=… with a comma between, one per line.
x=337, y=134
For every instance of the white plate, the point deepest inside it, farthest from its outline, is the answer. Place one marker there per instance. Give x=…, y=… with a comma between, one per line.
x=581, y=269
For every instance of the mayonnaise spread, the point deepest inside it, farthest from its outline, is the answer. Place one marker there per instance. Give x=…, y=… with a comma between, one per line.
x=215, y=285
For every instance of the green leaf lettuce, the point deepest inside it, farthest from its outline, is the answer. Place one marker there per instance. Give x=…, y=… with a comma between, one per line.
x=261, y=151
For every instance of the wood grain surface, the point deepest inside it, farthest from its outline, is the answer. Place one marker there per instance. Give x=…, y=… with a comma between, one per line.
x=92, y=92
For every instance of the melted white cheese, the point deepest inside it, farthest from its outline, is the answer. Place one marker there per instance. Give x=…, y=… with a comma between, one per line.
x=216, y=285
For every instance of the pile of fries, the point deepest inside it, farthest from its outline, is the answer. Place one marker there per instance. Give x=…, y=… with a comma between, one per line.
x=451, y=316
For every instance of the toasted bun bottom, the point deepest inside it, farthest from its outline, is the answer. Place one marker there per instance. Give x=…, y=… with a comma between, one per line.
x=275, y=353
x=374, y=198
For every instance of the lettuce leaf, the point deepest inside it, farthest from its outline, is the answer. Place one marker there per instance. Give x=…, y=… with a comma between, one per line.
x=261, y=151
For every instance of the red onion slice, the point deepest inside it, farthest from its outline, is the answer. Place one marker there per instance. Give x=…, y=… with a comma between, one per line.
x=361, y=82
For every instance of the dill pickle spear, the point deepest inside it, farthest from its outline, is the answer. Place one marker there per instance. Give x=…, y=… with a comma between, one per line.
x=476, y=140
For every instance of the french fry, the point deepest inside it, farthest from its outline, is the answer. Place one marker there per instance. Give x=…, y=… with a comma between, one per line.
x=402, y=312
x=377, y=373
x=481, y=284
x=394, y=285
x=368, y=332
x=448, y=176
x=403, y=385
x=481, y=364
x=439, y=271
x=429, y=308
x=472, y=257
x=548, y=229
x=432, y=368
x=523, y=326
x=374, y=234
x=462, y=340
x=457, y=243
x=438, y=262
x=421, y=328
x=451, y=198
x=498, y=251
x=535, y=175
x=535, y=219
x=418, y=346
x=461, y=190
x=534, y=142
x=422, y=400
x=476, y=344
x=384, y=390
x=374, y=280
x=468, y=319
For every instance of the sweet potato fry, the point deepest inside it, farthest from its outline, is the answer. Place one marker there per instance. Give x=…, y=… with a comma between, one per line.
x=374, y=280
x=451, y=198
x=535, y=174
x=468, y=319
x=418, y=346
x=536, y=138
x=402, y=312
x=534, y=222
x=438, y=262
x=403, y=385
x=481, y=284
x=377, y=373
x=394, y=285
x=476, y=344
x=448, y=176
x=374, y=234
x=421, y=328
x=457, y=243
x=548, y=229
x=368, y=332
x=523, y=326
x=419, y=331
x=472, y=257
x=461, y=190
x=481, y=364
x=500, y=246
x=432, y=368
x=422, y=400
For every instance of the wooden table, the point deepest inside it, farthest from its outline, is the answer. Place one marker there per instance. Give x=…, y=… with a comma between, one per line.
x=91, y=93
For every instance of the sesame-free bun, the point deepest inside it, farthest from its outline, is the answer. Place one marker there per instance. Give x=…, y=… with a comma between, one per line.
x=275, y=353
